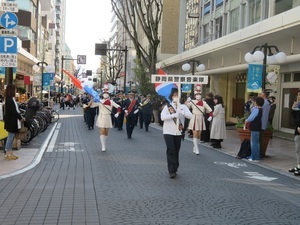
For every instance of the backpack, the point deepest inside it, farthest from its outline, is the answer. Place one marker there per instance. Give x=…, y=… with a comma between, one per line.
x=245, y=149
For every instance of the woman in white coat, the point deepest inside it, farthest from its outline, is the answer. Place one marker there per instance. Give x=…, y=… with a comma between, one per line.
x=197, y=123
x=218, y=128
x=104, y=118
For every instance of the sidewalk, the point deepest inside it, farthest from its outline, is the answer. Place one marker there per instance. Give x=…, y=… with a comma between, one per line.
x=280, y=155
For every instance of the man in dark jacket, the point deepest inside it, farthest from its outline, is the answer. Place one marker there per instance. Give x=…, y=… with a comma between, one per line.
x=147, y=111
x=131, y=110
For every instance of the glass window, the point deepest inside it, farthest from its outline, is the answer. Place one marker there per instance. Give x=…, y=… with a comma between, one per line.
x=25, y=33
x=219, y=3
x=283, y=5
x=254, y=11
x=207, y=8
x=219, y=27
x=297, y=76
x=287, y=77
x=234, y=20
x=206, y=33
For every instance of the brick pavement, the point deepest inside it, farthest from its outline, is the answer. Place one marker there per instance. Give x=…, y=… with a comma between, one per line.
x=128, y=184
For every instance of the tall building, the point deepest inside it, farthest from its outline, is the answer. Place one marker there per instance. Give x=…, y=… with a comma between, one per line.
x=218, y=33
x=41, y=39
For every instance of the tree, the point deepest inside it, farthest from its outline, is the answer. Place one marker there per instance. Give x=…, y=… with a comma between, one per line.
x=146, y=15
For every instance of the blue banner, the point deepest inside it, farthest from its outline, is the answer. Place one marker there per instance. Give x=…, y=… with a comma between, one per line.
x=254, y=78
x=48, y=79
x=186, y=88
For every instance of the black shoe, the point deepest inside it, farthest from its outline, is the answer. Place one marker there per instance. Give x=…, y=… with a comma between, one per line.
x=120, y=129
x=172, y=175
x=297, y=173
x=217, y=146
x=296, y=169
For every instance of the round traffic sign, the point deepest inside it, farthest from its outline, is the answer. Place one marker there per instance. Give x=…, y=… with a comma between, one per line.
x=9, y=20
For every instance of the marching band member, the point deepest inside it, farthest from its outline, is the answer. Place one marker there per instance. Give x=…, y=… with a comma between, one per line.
x=173, y=116
x=131, y=110
x=104, y=118
x=197, y=123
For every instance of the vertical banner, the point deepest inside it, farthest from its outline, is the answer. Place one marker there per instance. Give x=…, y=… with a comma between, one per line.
x=254, y=78
x=47, y=80
x=186, y=88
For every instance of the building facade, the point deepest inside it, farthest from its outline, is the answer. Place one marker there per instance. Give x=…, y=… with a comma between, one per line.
x=218, y=33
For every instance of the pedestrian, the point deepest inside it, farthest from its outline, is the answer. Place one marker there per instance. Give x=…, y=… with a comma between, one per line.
x=104, y=118
x=155, y=110
x=173, y=115
x=205, y=134
x=272, y=101
x=12, y=120
x=296, y=116
x=255, y=126
x=131, y=110
x=218, y=126
x=265, y=118
x=147, y=107
x=197, y=123
x=140, y=113
x=62, y=102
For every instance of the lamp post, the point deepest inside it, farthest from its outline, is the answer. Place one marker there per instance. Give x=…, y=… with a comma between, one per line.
x=36, y=68
x=264, y=54
x=187, y=66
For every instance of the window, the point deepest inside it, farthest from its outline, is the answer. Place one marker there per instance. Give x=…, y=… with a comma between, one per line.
x=234, y=20
x=219, y=27
x=206, y=34
x=283, y=5
x=219, y=3
x=287, y=77
x=254, y=11
x=297, y=76
x=207, y=8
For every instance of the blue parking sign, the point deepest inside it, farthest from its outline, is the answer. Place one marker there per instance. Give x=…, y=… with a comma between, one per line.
x=8, y=45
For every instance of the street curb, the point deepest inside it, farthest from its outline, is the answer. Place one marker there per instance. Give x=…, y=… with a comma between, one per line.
x=36, y=160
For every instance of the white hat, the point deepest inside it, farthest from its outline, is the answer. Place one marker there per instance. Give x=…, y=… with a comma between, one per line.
x=105, y=88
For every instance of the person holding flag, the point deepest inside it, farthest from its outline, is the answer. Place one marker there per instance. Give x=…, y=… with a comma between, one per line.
x=104, y=118
x=173, y=115
x=197, y=123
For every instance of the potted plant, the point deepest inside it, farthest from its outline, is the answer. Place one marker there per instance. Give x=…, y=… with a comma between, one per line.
x=245, y=133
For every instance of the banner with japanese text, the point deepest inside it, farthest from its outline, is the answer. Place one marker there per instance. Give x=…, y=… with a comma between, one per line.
x=254, y=78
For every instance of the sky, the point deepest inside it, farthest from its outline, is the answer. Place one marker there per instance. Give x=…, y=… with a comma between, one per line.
x=87, y=23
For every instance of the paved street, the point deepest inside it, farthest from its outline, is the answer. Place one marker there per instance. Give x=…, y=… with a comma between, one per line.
x=76, y=183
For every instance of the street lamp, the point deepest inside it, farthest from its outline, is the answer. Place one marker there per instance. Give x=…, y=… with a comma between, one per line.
x=187, y=66
x=265, y=55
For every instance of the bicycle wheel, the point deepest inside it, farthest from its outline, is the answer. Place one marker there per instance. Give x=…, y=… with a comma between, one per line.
x=29, y=135
x=54, y=116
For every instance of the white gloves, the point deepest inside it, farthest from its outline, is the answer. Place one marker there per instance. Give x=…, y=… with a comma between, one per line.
x=116, y=115
x=209, y=119
x=126, y=111
x=174, y=115
x=136, y=111
x=189, y=99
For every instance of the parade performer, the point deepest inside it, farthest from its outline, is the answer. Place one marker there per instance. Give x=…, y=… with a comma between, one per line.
x=104, y=118
x=131, y=110
x=147, y=111
x=173, y=115
x=197, y=123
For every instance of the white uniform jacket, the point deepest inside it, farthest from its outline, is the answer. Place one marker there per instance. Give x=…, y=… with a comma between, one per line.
x=170, y=127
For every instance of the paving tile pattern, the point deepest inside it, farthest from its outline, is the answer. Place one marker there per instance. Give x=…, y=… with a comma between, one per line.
x=129, y=184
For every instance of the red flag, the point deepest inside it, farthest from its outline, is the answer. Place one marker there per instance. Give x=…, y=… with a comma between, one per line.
x=75, y=81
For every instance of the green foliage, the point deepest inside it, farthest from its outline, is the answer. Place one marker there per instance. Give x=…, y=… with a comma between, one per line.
x=241, y=122
x=143, y=78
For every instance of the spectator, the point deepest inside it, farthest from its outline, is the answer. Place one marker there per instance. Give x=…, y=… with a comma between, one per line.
x=12, y=120
x=296, y=116
x=218, y=127
x=255, y=120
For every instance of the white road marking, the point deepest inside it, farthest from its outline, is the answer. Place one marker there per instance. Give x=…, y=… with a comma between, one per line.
x=52, y=142
x=258, y=176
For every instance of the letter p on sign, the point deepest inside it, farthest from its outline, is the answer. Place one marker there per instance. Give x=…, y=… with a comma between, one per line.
x=8, y=45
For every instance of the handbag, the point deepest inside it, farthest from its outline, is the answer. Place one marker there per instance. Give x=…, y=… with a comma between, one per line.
x=22, y=132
